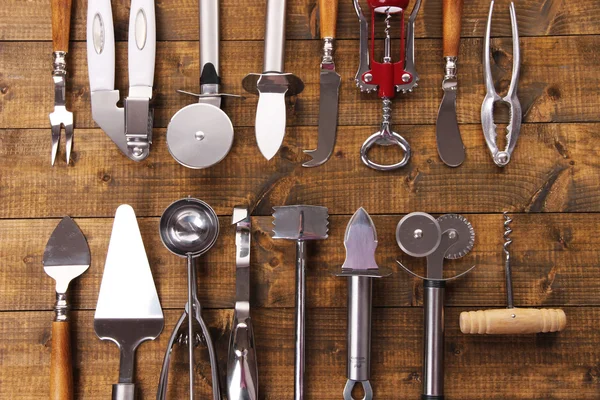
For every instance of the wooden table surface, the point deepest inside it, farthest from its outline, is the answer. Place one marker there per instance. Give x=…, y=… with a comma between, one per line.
x=551, y=187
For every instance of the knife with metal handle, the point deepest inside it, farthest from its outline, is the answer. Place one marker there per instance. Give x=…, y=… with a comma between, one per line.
x=67, y=256
x=330, y=87
x=449, y=142
x=273, y=85
x=242, y=371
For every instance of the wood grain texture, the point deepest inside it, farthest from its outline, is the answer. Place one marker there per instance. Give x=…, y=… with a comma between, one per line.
x=553, y=366
x=554, y=262
x=547, y=89
x=178, y=20
x=328, y=14
x=61, y=24
x=452, y=15
x=513, y=321
x=61, y=369
x=554, y=169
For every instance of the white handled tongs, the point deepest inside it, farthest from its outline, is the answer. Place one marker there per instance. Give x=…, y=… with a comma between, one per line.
x=129, y=127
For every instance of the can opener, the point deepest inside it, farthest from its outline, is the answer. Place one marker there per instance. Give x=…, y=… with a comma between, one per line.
x=129, y=127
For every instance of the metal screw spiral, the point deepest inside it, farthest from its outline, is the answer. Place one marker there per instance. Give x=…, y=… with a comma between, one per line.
x=507, y=269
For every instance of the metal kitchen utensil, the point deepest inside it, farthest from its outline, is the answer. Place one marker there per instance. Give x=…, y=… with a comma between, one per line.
x=242, y=371
x=360, y=267
x=300, y=223
x=189, y=228
x=61, y=29
x=387, y=77
x=200, y=135
x=330, y=87
x=273, y=84
x=501, y=157
x=130, y=128
x=127, y=314
x=450, y=236
x=449, y=142
x=511, y=320
x=67, y=256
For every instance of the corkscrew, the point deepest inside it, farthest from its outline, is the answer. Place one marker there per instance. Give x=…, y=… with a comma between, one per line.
x=387, y=77
x=511, y=320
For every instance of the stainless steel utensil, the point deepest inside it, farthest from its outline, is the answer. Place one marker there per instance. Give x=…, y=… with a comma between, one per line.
x=242, y=370
x=200, y=135
x=451, y=236
x=300, y=223
x=449, y=142
x=127, y=314
x=67, y=256
x=130, y=128
x=61, y=28
x=387, y=77
x=501, y=157
x=360, y=267
x=330, y=87
x=512, y=320
x=189, y=228
x=273, y=84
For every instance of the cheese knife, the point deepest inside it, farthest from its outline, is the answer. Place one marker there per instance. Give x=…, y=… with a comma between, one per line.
x=449, y=142
x=273, y=85
x=330, y=87
x=67, y=256
x=128, y=310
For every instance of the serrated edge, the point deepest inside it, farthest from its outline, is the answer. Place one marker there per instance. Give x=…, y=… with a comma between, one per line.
x=470, y=244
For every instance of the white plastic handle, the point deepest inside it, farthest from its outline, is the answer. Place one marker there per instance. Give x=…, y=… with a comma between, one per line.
x=142, y=45
x=100, y=45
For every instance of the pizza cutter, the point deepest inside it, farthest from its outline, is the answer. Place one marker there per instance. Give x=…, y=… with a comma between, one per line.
x=200, y=135
x=450, y=236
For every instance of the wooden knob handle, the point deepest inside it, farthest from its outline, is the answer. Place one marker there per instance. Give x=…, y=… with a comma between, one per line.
x=61, y=24
x=61, y=370
x=328, y=11
x=452, y=16
x=512, y=321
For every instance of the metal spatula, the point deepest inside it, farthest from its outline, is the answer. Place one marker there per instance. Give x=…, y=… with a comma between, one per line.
x=128, y=311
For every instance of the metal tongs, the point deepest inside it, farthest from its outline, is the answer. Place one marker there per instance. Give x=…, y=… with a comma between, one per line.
x=387, y=77
x=130, y=127
x=501, y=157
x=242, y=371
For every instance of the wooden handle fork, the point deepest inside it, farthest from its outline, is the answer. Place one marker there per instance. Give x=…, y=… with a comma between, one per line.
x=61, y=24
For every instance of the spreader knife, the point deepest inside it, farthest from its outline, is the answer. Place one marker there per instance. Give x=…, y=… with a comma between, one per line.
x=449, y=142
x=330, y=87
x=273, y=85
x=128, y=310
x=67, y=256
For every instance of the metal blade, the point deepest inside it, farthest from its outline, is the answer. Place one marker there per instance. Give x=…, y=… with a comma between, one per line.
x=449, y=142
x=127, y=290
x=328, y=113
x=270, y=123
x=67, y=254
x=300, y=222
x=360, y=241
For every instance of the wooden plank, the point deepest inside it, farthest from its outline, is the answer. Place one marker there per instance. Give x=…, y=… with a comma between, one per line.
x=553, y=366
x=244, y=20
x=554, y=259
x=554, y=168
x=546, y=88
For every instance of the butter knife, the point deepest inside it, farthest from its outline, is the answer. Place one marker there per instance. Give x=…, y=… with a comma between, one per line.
x=330, y=87
x=449, y=142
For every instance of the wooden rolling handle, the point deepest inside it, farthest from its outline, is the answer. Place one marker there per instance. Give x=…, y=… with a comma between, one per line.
x=512, y=321
x=328, y=11
x=452, y=17
x=61, y=370
x=61, y=24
